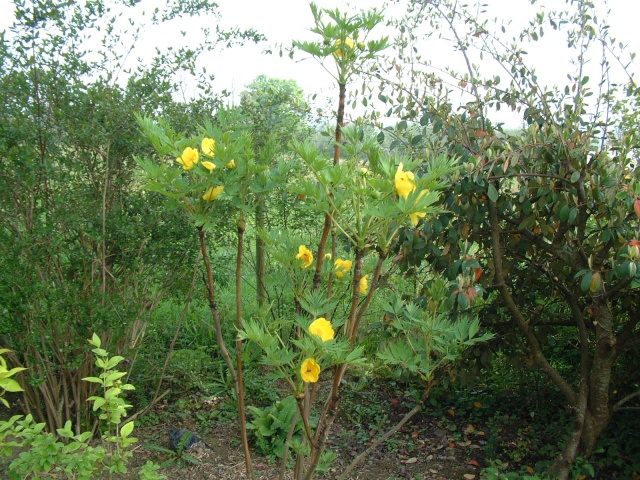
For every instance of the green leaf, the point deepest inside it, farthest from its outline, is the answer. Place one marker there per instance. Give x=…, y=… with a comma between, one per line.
x=126, y=430
x=98, y=402
x=93, y=380
x=114, y=361
x=72, y=447
x=563, y=214
x=113, y=377
x=572, y=215
x=586, y=281
x=575, y=176
x=66, y=431
x=95, y=341
x=10, y=385
x=492, y=193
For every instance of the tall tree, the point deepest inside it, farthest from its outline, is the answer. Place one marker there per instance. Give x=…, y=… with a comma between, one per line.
x=278, y=112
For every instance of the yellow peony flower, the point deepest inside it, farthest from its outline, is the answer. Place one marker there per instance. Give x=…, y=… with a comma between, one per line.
x=404, y=182
x=231, y=164
x=364, y=285
x=416, y=216
x=189, y=158
x=310, y=371
x=305, y=254
x=209, y=166
x=342, y=267
x=348, y=42
x=208, y=146
x=213, y=193
x=322, y=328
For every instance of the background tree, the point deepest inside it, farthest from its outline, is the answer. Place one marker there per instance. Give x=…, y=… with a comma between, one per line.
x=278, y=113
x=80, y=244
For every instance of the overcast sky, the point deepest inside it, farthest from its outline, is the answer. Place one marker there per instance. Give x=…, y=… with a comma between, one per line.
x=282, y=21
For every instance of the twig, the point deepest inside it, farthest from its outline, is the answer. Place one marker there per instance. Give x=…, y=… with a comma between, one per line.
x=622, y=401
x=356, y=461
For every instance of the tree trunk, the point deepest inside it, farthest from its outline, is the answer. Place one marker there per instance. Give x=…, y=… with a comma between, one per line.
x=591, y=402
x=261, y=256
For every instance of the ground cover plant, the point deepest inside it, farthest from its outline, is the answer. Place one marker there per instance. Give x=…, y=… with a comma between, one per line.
x=424, y=296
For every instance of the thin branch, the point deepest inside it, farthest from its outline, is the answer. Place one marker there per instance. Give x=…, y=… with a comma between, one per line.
x=392, y=431
x=617, y=406
x=516, y=314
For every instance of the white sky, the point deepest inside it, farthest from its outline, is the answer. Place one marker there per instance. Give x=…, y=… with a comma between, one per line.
x=282, y=21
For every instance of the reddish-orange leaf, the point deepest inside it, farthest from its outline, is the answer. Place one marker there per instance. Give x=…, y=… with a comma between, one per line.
x=636, y=207
x=478, y=272
x=474, y=463
x=471, y=294
x=452, y=445
x=634, y=243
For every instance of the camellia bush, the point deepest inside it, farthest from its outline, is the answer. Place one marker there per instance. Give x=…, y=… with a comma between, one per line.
x=545, y=218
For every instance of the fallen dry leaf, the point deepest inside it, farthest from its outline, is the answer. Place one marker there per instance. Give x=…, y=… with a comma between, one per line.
x=469, y=476
x=411, y=460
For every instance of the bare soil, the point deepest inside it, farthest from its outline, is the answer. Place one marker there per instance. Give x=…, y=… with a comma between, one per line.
x=424, y=449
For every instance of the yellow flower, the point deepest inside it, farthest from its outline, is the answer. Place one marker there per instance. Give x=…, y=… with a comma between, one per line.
x=305, y=254
x=208, y=146
x=188, y=159
x=404, y=182
x=209, y=166
x=415, y=216
x=348, y=42
x=310, y=370
x=231, y=164
x=322, y=328
x=364, y=285
x=213, y=193
x=342, y=267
